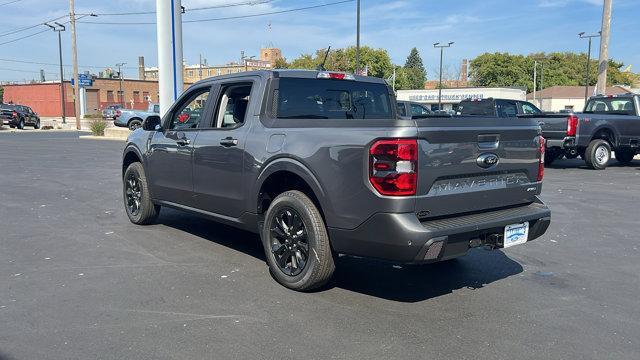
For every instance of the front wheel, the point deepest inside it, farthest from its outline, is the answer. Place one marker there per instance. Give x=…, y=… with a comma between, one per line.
x=137, y=200
x=296, y=242
x=36, y=125
x=21, y=124
x=598, y=154
x=625, y=155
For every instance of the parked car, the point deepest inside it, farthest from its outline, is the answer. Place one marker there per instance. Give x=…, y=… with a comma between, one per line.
x=19, y=116
x=111, y=111
x=319, y=165
x=409, y=109
x=504, y=108
x=608, y=123
x=133, y=118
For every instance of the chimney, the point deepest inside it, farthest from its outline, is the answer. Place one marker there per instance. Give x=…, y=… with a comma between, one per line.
x=464, y=71
x=141, y=74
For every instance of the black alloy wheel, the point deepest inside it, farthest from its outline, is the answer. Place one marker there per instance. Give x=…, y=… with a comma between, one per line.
x=289, y=242
x=133, y=194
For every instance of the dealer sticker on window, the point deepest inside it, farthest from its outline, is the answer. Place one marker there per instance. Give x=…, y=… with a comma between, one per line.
x=516, y=234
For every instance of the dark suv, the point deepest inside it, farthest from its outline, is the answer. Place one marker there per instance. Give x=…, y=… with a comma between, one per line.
x=18, y=116
x=319, y=164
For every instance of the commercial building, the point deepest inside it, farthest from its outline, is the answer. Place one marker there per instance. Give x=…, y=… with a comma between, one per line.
x=452, y=97
x=567, y=98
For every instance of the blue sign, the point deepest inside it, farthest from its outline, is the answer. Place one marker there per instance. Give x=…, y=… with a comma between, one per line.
x=84, y=80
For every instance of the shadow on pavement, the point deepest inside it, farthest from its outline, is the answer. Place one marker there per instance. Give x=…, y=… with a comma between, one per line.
x=405, y=283
x=580, y=164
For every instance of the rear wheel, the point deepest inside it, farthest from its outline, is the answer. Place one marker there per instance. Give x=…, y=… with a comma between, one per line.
x=296, y=242
x=36, y=125
x=625, y=155
x=135, y=124
x=21, y=124
x=598, y=154
x=137, y=200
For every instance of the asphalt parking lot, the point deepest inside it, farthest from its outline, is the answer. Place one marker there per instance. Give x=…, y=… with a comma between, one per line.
x=78, y=281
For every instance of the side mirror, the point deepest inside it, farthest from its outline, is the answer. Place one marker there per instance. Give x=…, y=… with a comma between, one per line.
x=151, y=123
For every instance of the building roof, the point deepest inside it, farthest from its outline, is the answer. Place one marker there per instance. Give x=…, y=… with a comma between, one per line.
x=573, y=92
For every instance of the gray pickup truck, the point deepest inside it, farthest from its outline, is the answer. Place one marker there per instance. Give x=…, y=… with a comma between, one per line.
x=608, y=123
x=319, y=164
x=133, y=118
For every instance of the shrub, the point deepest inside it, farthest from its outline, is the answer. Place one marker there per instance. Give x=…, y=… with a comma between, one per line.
x=97, y=127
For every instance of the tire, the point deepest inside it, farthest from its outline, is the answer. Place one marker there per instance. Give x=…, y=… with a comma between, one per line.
x=598, y=154
x=21, y=124
x=36, y=126
x=625, y=155
x=284, y=247
x=551, y=156
x=137, y=200
x=135, y=124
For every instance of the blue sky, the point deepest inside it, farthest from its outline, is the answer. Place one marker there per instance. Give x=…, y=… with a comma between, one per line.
x=522, y=26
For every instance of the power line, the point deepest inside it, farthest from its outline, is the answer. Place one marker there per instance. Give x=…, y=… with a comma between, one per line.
x=10, y=2
x=244, y=3
x=24, y=37
x=225, y=18
x=30, y=27
x=52, y=64
x=25, y=71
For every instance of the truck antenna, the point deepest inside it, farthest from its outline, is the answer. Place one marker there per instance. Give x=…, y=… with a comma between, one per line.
x=326, y=55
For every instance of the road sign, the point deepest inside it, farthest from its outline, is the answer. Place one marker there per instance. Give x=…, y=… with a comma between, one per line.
x=84, y=80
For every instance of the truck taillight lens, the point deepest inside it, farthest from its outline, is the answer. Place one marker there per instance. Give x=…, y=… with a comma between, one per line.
x=393, y=166
x=572, y=125
x=541, y=149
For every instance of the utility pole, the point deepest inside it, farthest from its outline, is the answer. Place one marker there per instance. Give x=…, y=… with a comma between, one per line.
x=535, y=80
x=121, y=93
x=603, y=59
x=74, y=55
x=358, y=37
x=441, y=47
x=586, y=80
x=59, y=28
x=542, y=78
x=200, y=67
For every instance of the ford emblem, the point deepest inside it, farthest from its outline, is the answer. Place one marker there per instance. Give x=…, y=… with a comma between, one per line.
x=487, y=160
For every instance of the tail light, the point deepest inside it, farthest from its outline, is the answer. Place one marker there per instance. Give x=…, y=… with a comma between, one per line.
x=118, y=113
x=541, y=149
x=393, y=166
x=335, y=75
x=572, y=125
x=14, y=114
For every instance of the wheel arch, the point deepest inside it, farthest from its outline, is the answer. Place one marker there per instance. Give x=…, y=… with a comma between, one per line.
x=134, y=118
x=131, y=155
x=284, y=174
x=606, y=133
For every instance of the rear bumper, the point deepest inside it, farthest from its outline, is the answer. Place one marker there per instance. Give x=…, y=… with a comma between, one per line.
x=566, y=143
x=403, y=238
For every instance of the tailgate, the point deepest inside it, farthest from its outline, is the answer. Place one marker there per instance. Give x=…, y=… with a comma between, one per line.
x=457, y=173
x=554, y=127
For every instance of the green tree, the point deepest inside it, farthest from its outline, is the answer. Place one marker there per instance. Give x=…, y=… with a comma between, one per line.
x=560, y=69
x=377, y=61
x=1, y=94
x=414, y=70
x=281, y=63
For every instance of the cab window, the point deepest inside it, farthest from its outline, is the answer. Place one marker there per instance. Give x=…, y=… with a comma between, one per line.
x=402, y=111
x=528, y=108
x=418, y=110
x=232, y=105
x=188, y=115
x=507, y=109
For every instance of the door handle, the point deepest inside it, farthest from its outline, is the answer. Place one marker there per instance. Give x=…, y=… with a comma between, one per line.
x=228, y=142
x=183, y=142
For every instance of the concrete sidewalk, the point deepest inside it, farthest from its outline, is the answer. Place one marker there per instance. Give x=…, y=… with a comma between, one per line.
x=56, y=122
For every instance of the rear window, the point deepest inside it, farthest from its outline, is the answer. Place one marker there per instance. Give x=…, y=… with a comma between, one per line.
x=484, y=108
x=298, y=98
x=611, y=106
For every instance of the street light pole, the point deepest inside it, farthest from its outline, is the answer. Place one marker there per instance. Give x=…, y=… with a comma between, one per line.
x=59, y=28
x=441, y=47
x=583, y=35
x=121, y=93
x=74, y=56
x=358, y=37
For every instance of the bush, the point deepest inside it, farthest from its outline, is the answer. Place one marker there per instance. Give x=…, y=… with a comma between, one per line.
x=97, y=127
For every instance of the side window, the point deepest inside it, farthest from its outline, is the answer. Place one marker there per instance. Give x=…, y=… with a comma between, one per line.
x=188, y=115
x=528, y=108
x=402, y=111
x=507, y=109
x=417, y=110
x=231, y=109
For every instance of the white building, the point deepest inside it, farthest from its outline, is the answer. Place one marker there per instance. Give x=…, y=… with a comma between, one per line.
x=452, y=97
x=568, y=98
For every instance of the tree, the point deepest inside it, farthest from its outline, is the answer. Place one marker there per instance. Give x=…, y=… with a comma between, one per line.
x=560, y=69
x=1, y=94
x=414, y=69
x=281, y=63
x=377, y=61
